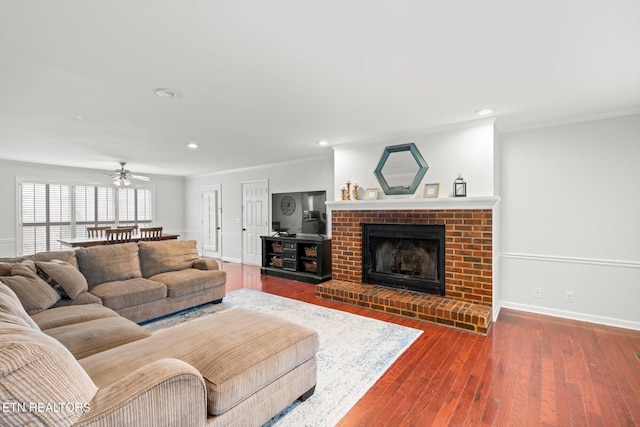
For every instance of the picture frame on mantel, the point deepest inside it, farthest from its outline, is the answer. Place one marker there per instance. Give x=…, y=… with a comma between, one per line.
x=371, y=194
x=431, y=191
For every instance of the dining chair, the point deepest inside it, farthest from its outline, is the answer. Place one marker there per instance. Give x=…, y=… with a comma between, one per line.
x=151, y=233
x=118, y=235
x=134, y=228
x=96, y=231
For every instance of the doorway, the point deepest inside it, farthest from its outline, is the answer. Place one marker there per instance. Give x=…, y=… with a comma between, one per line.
x=255, y=219
x=211, y=228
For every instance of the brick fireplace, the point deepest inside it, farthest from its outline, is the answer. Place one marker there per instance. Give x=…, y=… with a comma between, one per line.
x=468, y=259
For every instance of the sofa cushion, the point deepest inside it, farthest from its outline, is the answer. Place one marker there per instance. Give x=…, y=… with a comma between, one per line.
x=11, y=319
x=66, y=256
x=83, y=298
x=109, y=263
x=61, y=316
x=237, y=351
x=36, y=369
x=167, y=255
x=64, y=278
x=94, y=336
x=10, y=304
x=21, y=260
x=127, y=293
x=34, y=294
x=183, y=282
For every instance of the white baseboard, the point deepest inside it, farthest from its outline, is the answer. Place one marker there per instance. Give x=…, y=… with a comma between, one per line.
x=496, y=310
x=601, y=320
x=229, y=259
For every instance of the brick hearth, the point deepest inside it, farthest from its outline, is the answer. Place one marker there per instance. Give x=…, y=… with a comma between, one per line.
x=430, y=308
x=468, y=266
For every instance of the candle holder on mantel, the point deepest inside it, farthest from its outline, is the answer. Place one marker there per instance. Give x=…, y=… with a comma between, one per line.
x=348, y=184
x=459, y=187
x=355, y=191
x=342, y=193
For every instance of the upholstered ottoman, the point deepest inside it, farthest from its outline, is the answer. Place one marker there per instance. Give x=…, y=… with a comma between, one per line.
x=253, y=364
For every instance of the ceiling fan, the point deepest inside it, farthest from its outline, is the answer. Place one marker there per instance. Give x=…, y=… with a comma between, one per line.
x=123, y=177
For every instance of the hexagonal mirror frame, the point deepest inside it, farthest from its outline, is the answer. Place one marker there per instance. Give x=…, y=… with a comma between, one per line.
x=410, y=188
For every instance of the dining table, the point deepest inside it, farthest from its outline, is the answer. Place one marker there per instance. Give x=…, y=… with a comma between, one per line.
x=84, y=242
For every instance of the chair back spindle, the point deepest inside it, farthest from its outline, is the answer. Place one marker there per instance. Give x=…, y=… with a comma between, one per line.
x=118, y=235
x=93, y=232
x=151, y=233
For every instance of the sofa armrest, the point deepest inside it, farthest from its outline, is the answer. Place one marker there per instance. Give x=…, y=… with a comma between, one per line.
x=167, y=392
x=206, y=264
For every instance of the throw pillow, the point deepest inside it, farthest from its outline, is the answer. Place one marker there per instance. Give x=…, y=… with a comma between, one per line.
x=63, y=277
x=5, y=268
x=10, y=305
x=33, y=292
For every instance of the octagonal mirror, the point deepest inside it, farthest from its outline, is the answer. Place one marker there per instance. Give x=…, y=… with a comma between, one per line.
x=400, y=169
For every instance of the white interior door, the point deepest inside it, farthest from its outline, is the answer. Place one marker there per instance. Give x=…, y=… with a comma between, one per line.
x=211, y=229
x=255, y=219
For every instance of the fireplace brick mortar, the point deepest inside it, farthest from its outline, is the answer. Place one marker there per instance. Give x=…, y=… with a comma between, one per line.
x=468, y=241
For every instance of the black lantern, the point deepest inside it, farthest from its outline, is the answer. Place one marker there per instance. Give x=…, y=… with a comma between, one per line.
x=459, y=187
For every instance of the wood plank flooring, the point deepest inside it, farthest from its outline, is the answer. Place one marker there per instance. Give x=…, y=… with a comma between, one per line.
x=531, y=370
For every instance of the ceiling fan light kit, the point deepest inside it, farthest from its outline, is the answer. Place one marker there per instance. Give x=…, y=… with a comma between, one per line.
x=122, y=176
x=119, y=181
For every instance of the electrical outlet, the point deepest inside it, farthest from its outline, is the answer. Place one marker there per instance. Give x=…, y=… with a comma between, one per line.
x=537, y=293
x=569, y=296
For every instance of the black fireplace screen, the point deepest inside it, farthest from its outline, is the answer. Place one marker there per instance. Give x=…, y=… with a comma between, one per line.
x=412, y=257
x=405, y=256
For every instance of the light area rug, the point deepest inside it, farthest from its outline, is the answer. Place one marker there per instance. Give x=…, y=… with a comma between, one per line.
x=354, y=352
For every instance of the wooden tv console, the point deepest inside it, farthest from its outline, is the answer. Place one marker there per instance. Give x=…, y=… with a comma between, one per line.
x=297, y=258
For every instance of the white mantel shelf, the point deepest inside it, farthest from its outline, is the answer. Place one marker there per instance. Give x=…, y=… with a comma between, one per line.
x=488, y=202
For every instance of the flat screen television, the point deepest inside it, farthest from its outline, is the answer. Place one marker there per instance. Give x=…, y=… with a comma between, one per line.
x=302, y=212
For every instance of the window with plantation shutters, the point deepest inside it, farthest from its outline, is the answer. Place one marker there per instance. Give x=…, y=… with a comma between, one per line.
x=45, y=216
x=126, y=206
x=135, y=206
x=94, y=206
x=144, y=204
x=52, y=211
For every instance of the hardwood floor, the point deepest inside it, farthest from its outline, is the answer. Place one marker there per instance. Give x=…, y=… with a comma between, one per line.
x=531, y=370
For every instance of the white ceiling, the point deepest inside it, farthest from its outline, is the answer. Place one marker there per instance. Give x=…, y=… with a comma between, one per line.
x=263, y=81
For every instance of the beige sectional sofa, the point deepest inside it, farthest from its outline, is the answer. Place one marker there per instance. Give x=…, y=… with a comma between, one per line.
x=79, y=359
x=139, y=281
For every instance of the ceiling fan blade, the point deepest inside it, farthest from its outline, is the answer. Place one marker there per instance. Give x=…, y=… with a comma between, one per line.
x=141, y=178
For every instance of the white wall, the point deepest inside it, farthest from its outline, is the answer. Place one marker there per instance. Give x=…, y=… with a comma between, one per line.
x=465, y=149
x=570, y=220
x=567, y=219
x=302, y=175
x=169, y=196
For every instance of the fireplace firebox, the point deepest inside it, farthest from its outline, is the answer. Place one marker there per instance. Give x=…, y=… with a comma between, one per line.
x=405, y=256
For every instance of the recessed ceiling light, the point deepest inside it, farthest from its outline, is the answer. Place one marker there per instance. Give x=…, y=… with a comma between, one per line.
x=192, y=145
x=485, y=112
x=323, y=142
x=164, y=92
